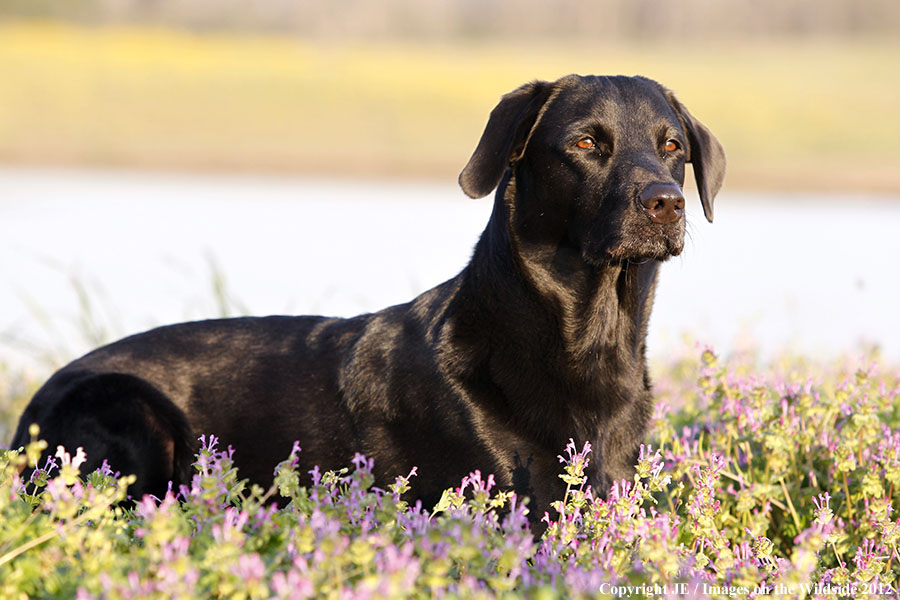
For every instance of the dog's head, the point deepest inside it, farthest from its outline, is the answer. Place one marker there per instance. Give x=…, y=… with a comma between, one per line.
x=598, y=164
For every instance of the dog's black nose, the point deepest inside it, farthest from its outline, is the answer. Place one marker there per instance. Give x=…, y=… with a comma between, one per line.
x=663, y=202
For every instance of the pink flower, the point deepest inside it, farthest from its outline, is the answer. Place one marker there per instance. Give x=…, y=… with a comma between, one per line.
x=67, y=460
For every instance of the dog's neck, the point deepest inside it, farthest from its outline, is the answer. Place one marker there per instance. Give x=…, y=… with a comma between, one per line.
x=591, y=308
x=567, y=352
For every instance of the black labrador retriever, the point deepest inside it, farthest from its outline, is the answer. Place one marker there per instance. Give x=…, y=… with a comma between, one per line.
x=541, y=337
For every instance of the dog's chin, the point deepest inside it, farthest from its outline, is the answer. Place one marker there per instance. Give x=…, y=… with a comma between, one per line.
x=634, y=238
x=636, y=249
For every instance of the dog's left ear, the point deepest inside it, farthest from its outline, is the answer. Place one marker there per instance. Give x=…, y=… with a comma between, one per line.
x=504, y=138
x=705, y=153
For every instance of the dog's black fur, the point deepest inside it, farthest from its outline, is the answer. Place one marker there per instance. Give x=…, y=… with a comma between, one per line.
x=541, y=338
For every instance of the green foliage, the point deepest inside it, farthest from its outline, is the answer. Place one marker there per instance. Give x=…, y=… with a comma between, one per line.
x=787, y=481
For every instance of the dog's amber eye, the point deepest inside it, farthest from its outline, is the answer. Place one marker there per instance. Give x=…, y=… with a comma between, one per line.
x=672, y=145
x=586, y=143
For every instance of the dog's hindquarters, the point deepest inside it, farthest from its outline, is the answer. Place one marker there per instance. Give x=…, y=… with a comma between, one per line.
x=142, y=402
x=116, y=417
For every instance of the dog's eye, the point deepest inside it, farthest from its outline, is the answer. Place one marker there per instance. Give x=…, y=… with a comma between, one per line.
x=672, y=145
x=586, y=143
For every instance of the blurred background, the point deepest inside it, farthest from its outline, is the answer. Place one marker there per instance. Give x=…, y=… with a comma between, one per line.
x=163, y=160
x=803, y=93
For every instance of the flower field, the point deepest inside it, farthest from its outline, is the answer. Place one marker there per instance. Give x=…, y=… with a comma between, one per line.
x=751, y=483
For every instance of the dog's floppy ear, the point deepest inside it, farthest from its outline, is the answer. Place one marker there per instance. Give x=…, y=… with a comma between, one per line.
x=705, y=153
x=504, y=138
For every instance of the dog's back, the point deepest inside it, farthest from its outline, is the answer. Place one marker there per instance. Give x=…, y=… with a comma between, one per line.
x=339, y=386
x=143, y=401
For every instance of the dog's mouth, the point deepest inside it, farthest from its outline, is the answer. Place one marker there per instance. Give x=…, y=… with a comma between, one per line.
x=639, y=241
x=658, y=249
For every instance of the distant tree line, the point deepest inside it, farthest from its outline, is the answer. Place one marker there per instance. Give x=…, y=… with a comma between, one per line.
x=455, y=19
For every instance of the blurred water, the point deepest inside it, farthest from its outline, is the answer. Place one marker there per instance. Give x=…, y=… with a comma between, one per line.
x=807, y=274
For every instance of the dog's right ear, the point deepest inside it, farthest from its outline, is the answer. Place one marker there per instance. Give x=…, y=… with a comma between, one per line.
x=504, y=138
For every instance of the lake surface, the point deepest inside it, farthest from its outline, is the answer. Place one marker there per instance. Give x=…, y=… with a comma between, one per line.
x=813, y=275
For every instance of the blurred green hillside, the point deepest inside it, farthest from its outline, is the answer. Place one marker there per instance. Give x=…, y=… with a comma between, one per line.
x=815, y=114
